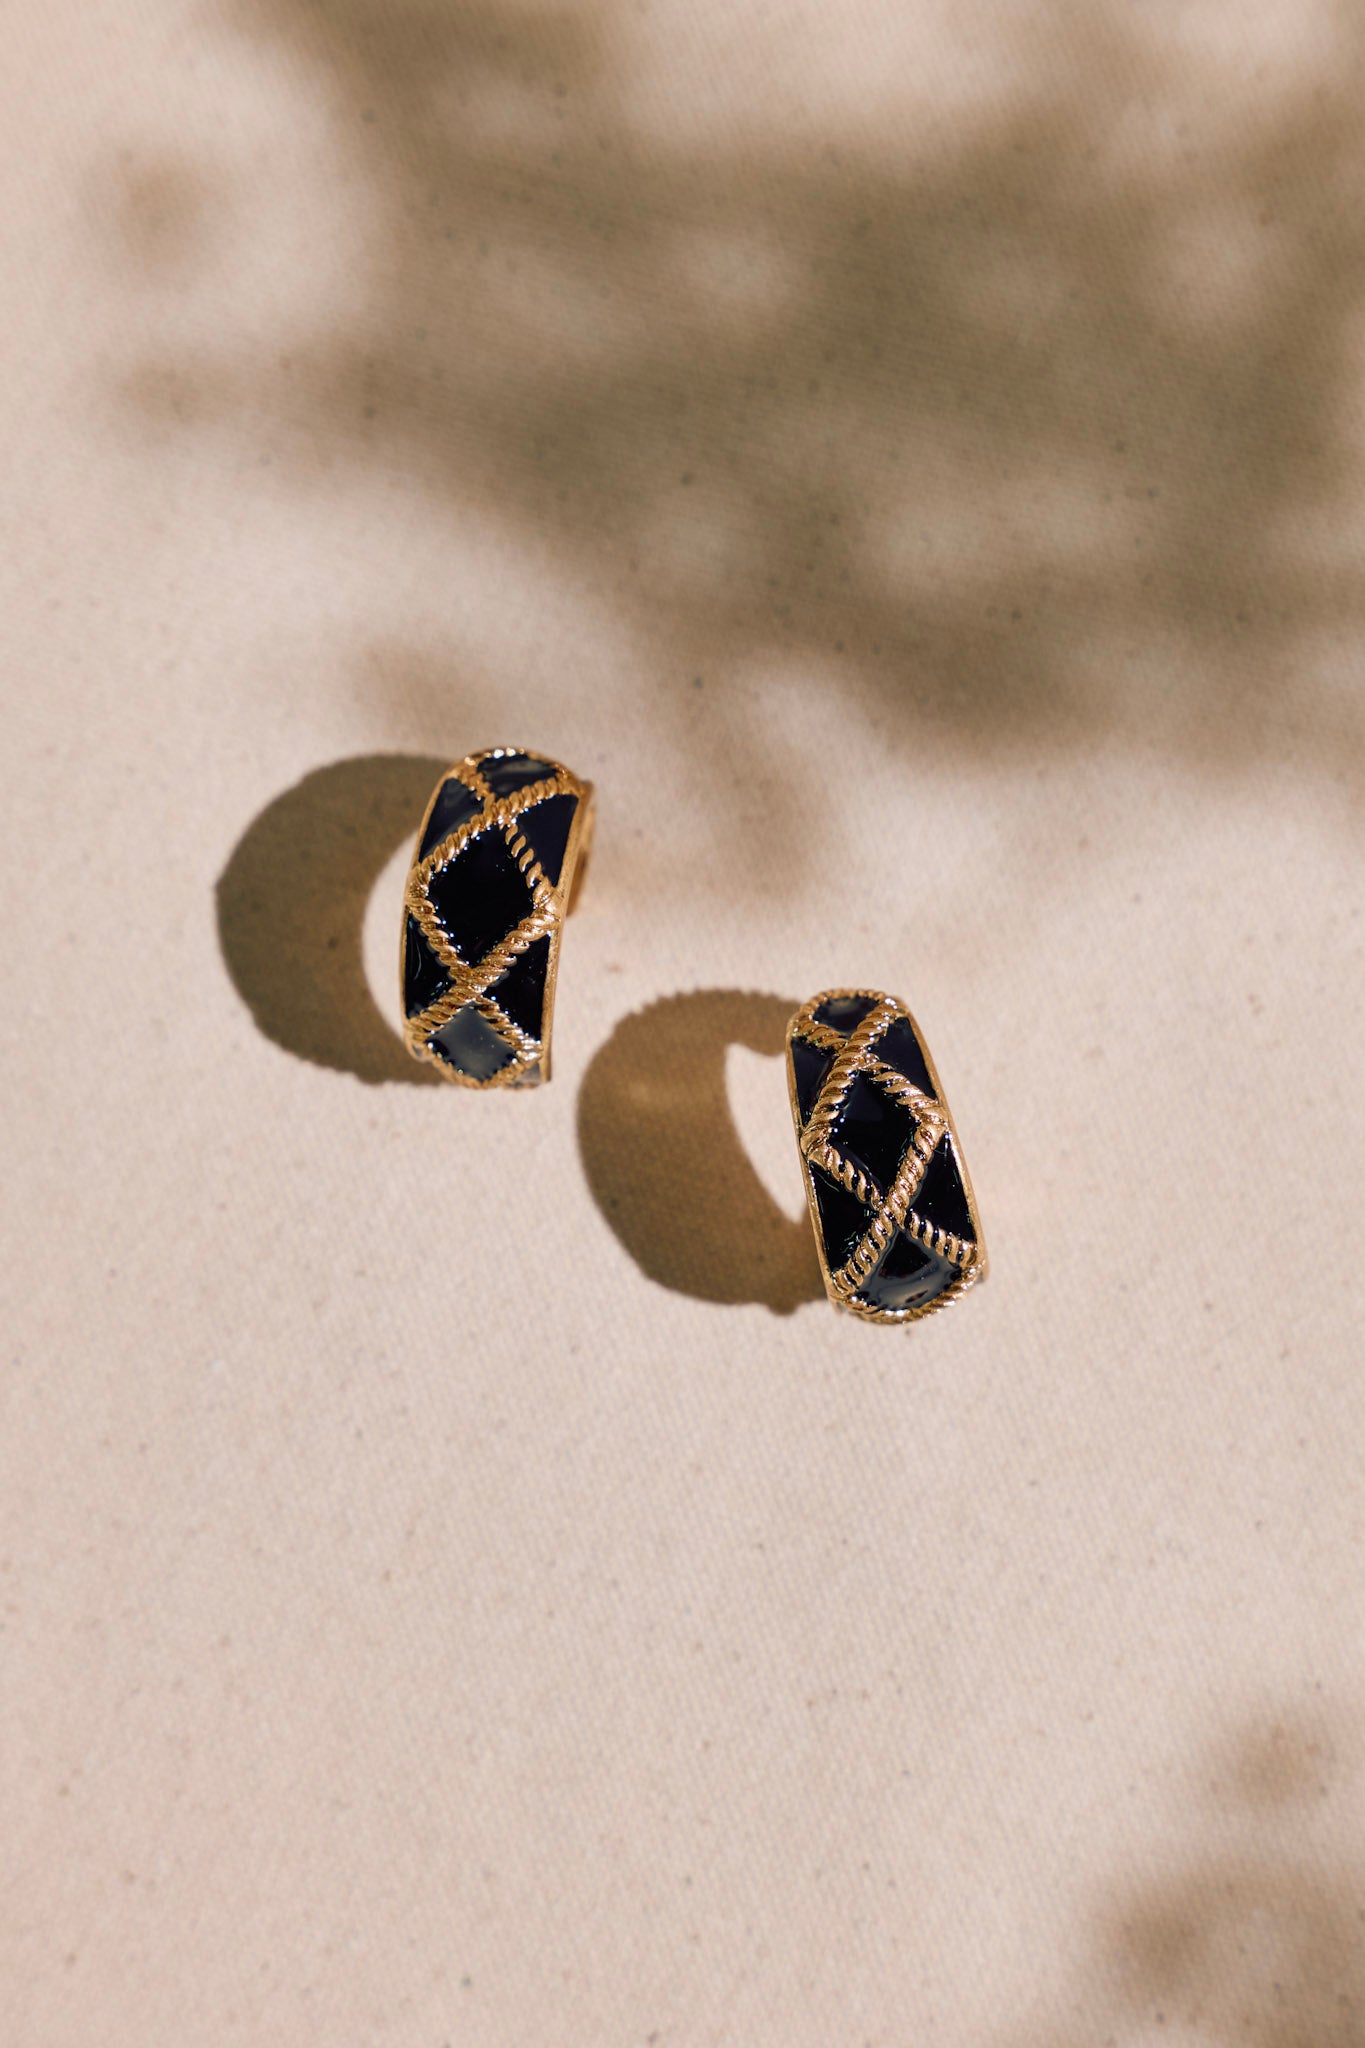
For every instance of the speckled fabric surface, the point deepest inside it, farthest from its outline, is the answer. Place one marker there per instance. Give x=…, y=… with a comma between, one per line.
x=459, y=1582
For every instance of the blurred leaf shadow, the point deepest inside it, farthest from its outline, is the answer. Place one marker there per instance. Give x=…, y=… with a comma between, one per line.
x=665, y=1163
x=1258, y=1940
x=291, y=909
x=1035, y=428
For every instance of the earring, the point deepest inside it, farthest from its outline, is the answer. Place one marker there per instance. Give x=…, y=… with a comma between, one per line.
x=894, y=1217
x=486, y=896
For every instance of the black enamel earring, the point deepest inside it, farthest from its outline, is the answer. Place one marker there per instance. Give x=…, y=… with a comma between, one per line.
x=486, y=896
x=892, y=1207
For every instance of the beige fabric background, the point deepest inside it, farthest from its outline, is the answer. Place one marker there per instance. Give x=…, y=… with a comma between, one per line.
x=459, y=1585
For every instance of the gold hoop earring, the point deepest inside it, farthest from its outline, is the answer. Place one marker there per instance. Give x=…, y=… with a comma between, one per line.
x=483, y=911
x=892, y=1206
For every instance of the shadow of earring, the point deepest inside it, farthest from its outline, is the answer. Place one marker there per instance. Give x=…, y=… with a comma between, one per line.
x=291, y=910
x=665, y=1163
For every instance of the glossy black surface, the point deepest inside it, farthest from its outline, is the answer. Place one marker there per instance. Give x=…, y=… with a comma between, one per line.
x=843, y=1218
x=908, y=1276
x=514, y=771
x=546, y=828
x=520, y=993
x=454, y=803
x=941, y=1198
x=844, y=1013
x=900, y=1048
x=809, y=1068
x=423, y=975
x=480, y=895
x=470, y=1044
x=873, y=1130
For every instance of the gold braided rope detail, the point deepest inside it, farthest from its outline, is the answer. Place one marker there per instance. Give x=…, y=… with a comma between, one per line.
x=960, y=1250
x=840, y=1076
x=445, y=850
x=471, y=984
x=468, y=771
x=845, y=1172
x=523, y=853
x=827, y=1039
x=894, y=1084
x=497, y=811
x=526, y=1048
x=537, y=921
x=855, y=1054
x=823, y=1035
x=892, y=1213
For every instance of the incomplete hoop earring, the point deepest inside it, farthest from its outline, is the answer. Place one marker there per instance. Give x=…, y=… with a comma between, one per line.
x=895, y=1220
x=485, y=902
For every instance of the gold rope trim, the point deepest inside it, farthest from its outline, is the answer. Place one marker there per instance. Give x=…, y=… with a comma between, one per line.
x=545, y=917
x=855, y=1053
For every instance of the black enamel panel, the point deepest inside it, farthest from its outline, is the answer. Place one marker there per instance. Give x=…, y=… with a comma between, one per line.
x=514, y=771
x=843, y=1219
x=900, y=1048
x=455, y=802
x=520, y=993
x=844, y=1013
x=546, y=829
x=809, y=1068
x=423, y=975
x=873, y=1130
x=940, y=1197
x=472, y=1045
x=908, y=1276
x=480, y=895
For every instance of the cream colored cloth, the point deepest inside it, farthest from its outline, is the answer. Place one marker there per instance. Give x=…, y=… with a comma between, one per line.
x=459, y=1585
